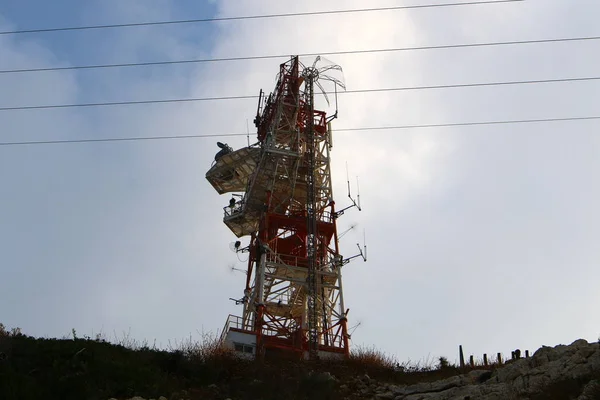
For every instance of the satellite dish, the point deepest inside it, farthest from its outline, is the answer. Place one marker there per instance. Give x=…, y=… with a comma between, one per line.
x=235, y=246
x=238, y=248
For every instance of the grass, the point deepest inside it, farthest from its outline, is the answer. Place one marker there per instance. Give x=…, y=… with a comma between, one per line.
x=96, y=369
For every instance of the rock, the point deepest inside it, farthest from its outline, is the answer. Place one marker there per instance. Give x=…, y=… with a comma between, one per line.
x=580, y=343
x=543, y=355
x=479, y=375
x=446, y=384
x=396, y=389
x=591, y=391
x=510, y=372
x=522, y=378
x=322, y=377
x=586, y=352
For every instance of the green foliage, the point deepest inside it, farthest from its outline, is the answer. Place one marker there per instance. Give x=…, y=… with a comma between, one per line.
x=95, y=369
x=443, y=363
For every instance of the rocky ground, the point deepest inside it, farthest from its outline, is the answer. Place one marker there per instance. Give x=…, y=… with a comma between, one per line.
x=561, y=372
x=65, y=369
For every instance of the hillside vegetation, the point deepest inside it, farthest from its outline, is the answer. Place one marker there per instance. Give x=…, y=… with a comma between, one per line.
x=95, y=369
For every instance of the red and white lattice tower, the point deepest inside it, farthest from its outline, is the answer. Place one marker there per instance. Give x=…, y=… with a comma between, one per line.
x=293, y=303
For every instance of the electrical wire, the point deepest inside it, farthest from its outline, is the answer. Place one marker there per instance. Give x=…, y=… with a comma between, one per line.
x=378, y=90
x=330, y=53
x=374, y=128
x=123, y=103
x=248, y=17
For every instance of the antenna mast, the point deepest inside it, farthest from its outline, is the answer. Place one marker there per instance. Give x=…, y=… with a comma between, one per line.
x=311, y=240
x=293, y=299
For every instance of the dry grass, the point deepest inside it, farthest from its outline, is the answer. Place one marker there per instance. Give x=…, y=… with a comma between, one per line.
x=194, y=368
x=208, y=349
x=6, y=333
x=372, y=357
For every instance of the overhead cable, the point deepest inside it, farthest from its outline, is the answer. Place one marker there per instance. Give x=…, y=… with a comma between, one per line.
x=329, y=53
x=248, y=17
x=244, y=97
x=373, y=128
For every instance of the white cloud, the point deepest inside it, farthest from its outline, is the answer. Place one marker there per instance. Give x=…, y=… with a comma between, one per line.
x=481, y=236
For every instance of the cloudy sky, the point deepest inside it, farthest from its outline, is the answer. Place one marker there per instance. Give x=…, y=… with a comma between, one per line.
x=485, y=236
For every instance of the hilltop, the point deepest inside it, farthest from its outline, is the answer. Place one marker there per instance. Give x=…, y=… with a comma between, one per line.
x=95, y=369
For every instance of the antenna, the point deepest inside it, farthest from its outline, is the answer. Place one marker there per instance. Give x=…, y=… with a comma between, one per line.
x=288, y=118
x=248, y=133
x=239, y=301
x=362, y=251
x=365, y=244
x=348, y=179
x=352, y=329
x=354, y=203
x=347, y=230
x=260, y=99
x=335, y=115
x=232, y=268
x=239, y=270
x=357, y=194
x=329, y=72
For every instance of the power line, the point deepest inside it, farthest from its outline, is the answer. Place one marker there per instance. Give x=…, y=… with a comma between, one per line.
x=247, y=17
x=330, y=53
x=198, y=99
x=375, y=128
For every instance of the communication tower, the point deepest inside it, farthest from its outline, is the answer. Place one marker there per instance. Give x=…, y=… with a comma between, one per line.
x=293, y=303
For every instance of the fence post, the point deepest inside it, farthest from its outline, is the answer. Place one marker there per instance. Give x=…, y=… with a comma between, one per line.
x=461, y=356
x=499, y=359
x=485, y=361
x=526, y=353
x=471, y=361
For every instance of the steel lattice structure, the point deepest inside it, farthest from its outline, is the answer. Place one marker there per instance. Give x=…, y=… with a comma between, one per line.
x=293, y=299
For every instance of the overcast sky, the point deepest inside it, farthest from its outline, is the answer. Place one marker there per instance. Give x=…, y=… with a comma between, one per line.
x=485, y=236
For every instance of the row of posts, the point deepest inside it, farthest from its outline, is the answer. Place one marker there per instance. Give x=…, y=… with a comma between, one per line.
x=515, y=355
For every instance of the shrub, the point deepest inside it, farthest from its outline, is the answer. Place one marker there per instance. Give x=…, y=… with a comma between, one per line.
x=443, y=363
x=371, y=357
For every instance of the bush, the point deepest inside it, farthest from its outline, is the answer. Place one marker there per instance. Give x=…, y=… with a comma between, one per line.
x=372, y=358
x=443, y=363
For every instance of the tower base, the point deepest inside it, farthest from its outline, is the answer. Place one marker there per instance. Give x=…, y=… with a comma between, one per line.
x=244, y=345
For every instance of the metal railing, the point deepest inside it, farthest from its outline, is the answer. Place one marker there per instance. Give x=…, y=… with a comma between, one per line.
x=233, y=321
x=230, y=211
